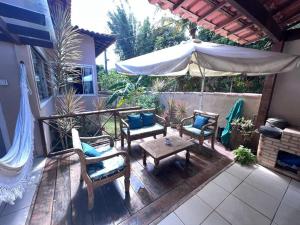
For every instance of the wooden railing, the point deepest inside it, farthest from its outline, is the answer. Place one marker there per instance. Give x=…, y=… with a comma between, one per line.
x=89, y=123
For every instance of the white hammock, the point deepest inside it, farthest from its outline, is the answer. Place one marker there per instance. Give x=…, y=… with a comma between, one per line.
x=16, y=165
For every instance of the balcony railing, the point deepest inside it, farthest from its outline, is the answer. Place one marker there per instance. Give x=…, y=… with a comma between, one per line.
x=89, y=123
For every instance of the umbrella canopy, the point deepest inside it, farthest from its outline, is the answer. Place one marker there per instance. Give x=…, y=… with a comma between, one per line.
x=216, y=59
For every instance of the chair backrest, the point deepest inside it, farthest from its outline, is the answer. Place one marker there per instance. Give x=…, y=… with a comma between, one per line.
x=212, y=116
x=76, y=139
x=125, y=113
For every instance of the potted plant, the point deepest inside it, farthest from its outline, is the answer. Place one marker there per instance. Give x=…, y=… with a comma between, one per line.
x=244, y=156
x=241, y=133
x=170, y=113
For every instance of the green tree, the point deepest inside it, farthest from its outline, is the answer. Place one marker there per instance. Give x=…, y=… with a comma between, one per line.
x=145, y=38
x=123, y=24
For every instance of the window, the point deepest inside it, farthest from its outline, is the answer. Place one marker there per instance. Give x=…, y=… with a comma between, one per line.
x=41, y=75
x=82, y=80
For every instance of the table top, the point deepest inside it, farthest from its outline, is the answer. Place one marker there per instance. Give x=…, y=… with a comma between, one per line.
x=157, y=148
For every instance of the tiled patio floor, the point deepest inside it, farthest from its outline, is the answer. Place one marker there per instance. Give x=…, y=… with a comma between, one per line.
x=242, y=196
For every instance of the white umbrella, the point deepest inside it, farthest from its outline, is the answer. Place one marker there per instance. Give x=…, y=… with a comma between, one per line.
x=207, y=59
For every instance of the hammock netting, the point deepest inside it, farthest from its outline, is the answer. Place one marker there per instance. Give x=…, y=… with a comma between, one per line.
x=16, y=165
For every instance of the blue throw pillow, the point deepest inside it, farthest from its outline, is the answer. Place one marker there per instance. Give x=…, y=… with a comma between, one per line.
x=148, y=119
x=135, y=121
x=91, y=152
x=200, y=121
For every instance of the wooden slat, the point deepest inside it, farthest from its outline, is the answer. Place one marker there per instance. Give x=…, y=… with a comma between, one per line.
x=61, y=213
x=177, y=6
x=5, y=30
x=28, y=31
x=11, y=11
x=212, y=10
x=226, y=22
x=240, y=29
x=260, y=16
x=43, y=206
x=79, y=200
x=36, y=42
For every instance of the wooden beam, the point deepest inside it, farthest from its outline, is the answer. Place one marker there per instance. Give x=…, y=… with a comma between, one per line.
x=12, y=37
x=227, y=21
x=177, y=6
x=10, y=11
x=36, y=42
x=257, y=13
x=27, y=31
x=209, y=12
x=240, y=29
x=291, y=35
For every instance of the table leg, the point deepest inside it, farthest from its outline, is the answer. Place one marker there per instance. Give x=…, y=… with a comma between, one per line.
x=187, y=156
x=144, y=158
x=156, y=162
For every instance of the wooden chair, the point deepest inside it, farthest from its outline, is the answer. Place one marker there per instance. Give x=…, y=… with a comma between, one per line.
x=160, y=127
x=115, y=164
x=208, y=131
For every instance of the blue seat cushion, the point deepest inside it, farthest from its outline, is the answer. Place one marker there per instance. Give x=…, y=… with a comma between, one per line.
x=143, y=130
x=135, y=121
x=196, y=131
x=148, y=119
x=200, y=121
x=110, y=167
x=90, y=151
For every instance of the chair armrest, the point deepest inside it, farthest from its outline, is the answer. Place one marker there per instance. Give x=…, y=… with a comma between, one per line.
x=111, y=141
x=91, y=160
x=163, y=120
x=185, y=119
x=124, y=123
x=208, y=125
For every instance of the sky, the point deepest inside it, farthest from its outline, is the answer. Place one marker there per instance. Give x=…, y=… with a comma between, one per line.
x=92, y=15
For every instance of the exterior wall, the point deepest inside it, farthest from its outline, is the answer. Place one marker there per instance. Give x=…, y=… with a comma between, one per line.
x=11, y=55
x=285, y=100
x=88, y=57
x=220, y=103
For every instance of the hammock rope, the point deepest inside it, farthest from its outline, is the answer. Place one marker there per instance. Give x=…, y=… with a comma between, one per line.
x=16, y=165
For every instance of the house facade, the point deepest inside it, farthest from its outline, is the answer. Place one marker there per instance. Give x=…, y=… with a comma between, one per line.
x=42, y=99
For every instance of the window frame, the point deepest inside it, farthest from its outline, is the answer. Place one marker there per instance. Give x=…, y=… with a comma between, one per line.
x=46, y=76
x=94, y=79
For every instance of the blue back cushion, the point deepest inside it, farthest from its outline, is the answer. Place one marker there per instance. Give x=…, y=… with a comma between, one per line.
x=92, y=152
x=148, y=119
x=135, y=121
x=200, y=121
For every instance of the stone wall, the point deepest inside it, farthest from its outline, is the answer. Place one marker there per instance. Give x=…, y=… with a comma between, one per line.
x=220, y=103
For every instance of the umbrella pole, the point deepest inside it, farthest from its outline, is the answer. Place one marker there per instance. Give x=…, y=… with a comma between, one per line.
x=203, y=81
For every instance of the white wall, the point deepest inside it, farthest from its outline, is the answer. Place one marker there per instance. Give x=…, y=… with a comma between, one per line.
x=219, y=103
x=285, y=101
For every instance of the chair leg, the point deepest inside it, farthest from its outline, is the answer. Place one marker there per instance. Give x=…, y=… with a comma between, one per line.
x=213, y=142
x=129, y=146
x=122, y=141
x=127, y=182
x=201, y=140
x=90, y=191
x=154, y=136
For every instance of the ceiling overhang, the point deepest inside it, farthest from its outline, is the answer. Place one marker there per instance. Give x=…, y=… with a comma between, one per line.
x=25, y=26
x=239, y=20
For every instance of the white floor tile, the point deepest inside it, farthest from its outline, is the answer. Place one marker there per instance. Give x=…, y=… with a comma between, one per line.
x=17, y=218
x=240, y=171
x=287, y=215
x=212, y=194
x=268, y=181
x=171, y=219
x=193, y=211
x=21, y=203
x=239, y=213
x=295, y=185
x=227, y=181
x=292, y=197
x=259, y=200
x=215, y=219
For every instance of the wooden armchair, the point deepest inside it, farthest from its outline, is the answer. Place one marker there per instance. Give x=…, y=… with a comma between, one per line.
x=115, y=164
x=160, y=127
x=207, y=131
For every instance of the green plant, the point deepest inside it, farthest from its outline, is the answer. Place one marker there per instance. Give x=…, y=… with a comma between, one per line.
x=181, y=111
x=148, y=100
x=245, y=126
x=244, y=155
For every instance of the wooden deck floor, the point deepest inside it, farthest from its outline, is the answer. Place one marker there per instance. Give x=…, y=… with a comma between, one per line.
x=62, y=198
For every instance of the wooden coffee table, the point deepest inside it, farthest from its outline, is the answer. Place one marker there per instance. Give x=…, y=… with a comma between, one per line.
x=158, y=150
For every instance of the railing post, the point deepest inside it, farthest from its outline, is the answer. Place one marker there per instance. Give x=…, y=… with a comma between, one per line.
x=115, y=119
x=43, y=140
